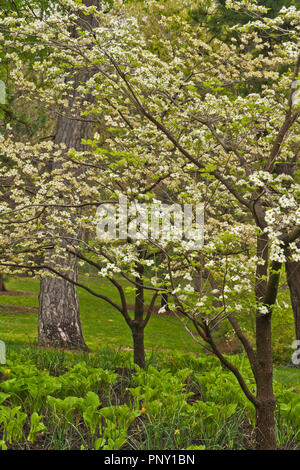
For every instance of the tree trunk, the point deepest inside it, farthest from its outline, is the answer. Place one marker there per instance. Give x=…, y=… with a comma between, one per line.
x=137, y=326
x=265, y=412
x=293, y=279
x=2, y=285
x=292, y=268
x=138, y=346
x=59, y=318
x=165, y=302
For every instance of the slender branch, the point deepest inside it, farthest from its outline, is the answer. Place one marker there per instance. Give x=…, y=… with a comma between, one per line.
x=66, y=278
x=150, y=309
x=232, y=368
x=245, y=342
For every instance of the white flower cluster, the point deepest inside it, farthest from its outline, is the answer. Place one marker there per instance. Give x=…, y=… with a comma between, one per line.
x=263, y=309
x=277, y=251
x=109, y=269
x=295, y=252
x=250, y=5
x=260, y=178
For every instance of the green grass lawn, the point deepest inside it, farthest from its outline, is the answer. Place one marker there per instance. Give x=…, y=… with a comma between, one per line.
x=102, y=325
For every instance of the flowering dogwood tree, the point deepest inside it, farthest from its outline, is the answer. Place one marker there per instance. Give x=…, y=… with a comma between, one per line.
x=204, y=122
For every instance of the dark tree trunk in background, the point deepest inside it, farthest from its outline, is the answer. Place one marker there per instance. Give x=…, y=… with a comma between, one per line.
x=293, y=279
x=2, y=285
x=292, y=268
x=164, y=302
x=59, y=318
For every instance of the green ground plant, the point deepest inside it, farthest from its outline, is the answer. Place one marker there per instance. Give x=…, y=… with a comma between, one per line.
x=181, y=402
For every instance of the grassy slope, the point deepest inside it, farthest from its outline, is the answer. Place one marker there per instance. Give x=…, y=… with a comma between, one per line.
x=103, y=326
x=289, y=377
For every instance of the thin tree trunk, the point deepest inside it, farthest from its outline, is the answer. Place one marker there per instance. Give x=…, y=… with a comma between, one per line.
x=59, y=318
x=292, y=268
x=265, y=410
x=138, y=346
x=138, y=326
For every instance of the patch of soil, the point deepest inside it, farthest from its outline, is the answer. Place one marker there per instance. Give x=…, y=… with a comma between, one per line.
x=17, y=309
x=12, y=293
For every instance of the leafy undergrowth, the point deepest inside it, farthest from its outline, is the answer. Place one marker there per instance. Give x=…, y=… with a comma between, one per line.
x=55, y=400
